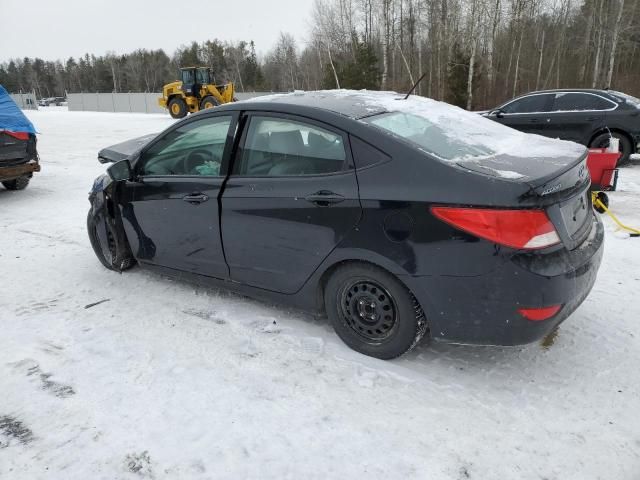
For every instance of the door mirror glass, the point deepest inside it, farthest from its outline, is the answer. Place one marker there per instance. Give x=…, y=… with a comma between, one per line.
x=120, y=171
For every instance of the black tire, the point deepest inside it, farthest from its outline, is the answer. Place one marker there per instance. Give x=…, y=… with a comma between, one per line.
x=177, y=107
x=19, y=183
x=372, y=312
x=209, y=102
x=626, y=147
x=117, y=262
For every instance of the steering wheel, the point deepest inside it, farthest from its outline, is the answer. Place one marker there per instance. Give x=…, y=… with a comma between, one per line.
x=197, y=158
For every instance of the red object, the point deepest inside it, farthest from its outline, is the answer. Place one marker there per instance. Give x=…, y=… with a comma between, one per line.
x=602, y=165
x=18, y=135
x=521, y=229
x=539, y=314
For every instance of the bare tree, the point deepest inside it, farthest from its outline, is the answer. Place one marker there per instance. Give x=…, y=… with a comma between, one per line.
x=614, y=44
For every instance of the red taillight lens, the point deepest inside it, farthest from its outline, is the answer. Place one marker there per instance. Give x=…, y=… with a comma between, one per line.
x=18, y=135
x=539, y=314
x=521, y=229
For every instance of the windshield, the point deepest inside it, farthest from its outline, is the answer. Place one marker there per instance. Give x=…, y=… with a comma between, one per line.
x=430, y=136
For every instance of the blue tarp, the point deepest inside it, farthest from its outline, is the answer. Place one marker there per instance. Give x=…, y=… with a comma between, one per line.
x=11, y=117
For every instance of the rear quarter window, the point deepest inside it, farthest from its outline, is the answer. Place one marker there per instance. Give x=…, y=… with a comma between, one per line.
x=365, y=154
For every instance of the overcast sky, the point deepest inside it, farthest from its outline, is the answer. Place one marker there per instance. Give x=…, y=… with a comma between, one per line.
x=58, y=29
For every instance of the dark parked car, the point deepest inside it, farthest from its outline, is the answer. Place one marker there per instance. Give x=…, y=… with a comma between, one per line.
x=399, y=218
x=589, y=117
x=18, y=153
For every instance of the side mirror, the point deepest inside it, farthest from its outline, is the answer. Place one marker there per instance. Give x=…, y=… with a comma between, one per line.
x=497, y=113
x=120, y=171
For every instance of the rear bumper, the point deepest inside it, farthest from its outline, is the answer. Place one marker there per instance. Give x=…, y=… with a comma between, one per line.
x=9, y=173
x=483, y=310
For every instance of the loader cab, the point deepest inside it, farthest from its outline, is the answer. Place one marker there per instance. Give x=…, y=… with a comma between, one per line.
x=193, y=79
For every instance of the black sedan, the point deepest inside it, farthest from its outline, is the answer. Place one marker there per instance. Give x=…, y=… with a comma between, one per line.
x=589, y=117
x=400, y=218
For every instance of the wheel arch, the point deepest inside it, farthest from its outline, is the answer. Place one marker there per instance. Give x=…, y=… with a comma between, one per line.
x=380, y=263
x=618, y=130
x=104, y=209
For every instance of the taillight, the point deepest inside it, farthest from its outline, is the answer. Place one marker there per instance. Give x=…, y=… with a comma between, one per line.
x=18, y=135
x=539, y=314
x=520, y=229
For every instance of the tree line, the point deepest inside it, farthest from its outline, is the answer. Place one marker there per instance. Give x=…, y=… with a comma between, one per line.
x=473, y=53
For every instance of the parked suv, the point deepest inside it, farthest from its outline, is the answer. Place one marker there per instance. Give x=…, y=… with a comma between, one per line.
x=18, y=154
x=589, y=117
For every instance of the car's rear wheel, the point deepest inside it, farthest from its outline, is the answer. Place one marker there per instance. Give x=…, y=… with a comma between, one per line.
x=626, y=147
x=177, y=107
x=113, y=260
x=209, y=102
x=372, y=312
x=19, y=183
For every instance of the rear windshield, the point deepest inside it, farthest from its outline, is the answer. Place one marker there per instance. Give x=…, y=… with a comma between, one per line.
x=430, y=136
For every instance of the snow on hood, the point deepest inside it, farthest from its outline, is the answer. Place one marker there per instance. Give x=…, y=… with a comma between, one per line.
x=475, y=138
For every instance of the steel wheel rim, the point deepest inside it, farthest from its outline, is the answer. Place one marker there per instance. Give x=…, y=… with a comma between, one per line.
x=369, y=310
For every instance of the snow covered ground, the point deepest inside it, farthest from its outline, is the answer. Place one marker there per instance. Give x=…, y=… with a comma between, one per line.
x=168, y=381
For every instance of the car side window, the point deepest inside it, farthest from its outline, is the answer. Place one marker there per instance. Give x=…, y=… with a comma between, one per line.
x=571, y=102
x=283, y=147
x=530, y=104
x=195, y=148
x=366, y=154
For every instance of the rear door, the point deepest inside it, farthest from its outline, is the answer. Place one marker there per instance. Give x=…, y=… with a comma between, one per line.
x=171, y=215
x=526, y=114
x=291, y=199
x=576, y=115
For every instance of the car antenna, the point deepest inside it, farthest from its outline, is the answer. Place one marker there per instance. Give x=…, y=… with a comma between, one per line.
x=414, y=86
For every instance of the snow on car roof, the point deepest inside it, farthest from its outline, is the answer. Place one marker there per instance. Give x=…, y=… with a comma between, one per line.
x=483, y=137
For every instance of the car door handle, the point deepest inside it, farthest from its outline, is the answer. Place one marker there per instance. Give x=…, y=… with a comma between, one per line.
x=534, y=120
x=324, y=198
x=591, y=119
x=195, y=198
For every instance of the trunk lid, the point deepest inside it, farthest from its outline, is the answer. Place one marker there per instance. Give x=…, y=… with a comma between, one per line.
x=14, y=150
x=124, y=150
x=559, y=183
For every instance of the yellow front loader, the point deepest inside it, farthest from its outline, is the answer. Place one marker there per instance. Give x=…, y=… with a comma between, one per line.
x=195, y=92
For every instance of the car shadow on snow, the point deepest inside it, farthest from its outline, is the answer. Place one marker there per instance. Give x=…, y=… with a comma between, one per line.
x=467, y=357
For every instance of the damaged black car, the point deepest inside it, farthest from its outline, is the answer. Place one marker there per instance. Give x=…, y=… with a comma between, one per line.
x=400, y=218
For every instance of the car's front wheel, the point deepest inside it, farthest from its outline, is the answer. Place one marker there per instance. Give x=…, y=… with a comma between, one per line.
x=625, y=148
x=111, y=259
x=372, y=312
x=19, y=183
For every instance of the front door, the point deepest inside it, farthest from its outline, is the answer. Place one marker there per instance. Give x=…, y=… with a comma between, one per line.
x=172, y=218
x=526, y=114
x=291, y=199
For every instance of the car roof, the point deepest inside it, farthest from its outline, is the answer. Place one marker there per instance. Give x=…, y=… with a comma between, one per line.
x=567, y=90
x=349, y=103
